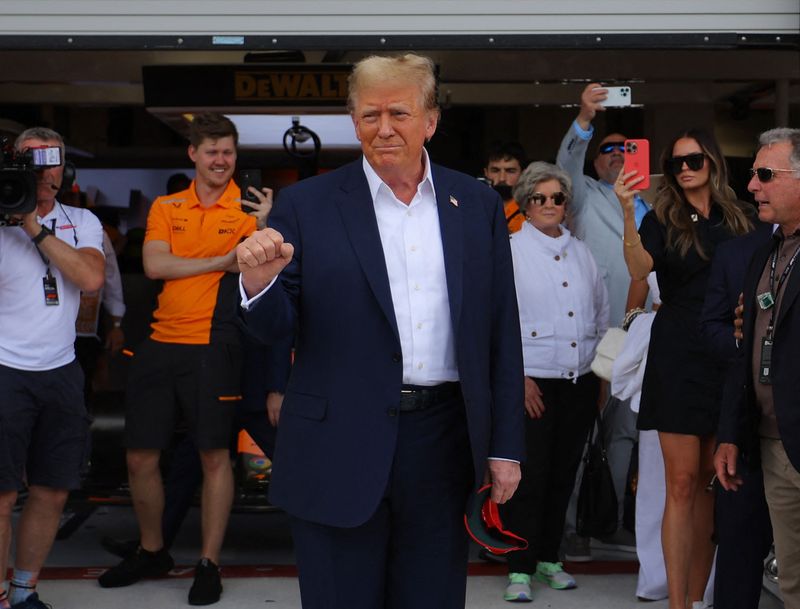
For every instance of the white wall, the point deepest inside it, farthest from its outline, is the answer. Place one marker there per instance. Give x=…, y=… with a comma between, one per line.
x=387, y=17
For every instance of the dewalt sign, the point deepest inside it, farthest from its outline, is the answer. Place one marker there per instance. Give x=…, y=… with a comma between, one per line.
x=290, y=86
x=230, y=86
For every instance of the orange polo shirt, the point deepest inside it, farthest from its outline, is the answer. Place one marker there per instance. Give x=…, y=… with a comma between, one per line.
x=514, y=216
x=200, y=309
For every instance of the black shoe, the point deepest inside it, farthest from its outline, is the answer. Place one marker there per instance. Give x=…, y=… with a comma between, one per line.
x=137, y=566
x=207, y=586
x=32, y=602
x=484, y=554
x=118, y=547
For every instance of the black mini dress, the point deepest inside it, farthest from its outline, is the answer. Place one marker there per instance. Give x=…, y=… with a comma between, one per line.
x=682, y=384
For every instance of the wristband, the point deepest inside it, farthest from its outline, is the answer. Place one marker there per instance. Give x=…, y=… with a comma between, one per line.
x=45, y=232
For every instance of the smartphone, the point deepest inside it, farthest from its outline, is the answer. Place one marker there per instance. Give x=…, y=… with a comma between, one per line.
x=637, y=156
x=247, y=178
x=618, y=97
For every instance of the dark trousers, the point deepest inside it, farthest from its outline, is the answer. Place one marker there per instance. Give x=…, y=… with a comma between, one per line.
x=554, y=446
x=412, y=553
x=744, y=535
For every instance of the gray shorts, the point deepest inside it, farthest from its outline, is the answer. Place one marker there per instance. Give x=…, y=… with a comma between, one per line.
x=44, y=427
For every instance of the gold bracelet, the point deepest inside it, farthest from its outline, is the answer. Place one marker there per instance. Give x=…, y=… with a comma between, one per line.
x=634, y=244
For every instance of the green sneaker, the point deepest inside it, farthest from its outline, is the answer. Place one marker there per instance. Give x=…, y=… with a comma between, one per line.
x=518, y=589
x=553, y=574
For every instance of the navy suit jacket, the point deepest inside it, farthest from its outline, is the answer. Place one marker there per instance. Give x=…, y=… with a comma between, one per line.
x=725, y=283
x=339, y=428
x=740, y=415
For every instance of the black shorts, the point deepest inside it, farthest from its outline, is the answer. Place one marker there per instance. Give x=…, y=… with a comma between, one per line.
x=169, y=383
x=44, y=427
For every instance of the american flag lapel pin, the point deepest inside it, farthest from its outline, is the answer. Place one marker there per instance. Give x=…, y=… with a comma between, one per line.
x=453, y=201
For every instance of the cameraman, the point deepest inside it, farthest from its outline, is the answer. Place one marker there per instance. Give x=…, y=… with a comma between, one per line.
x=45, y=261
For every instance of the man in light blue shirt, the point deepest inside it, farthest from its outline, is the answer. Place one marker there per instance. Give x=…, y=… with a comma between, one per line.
x=597, y=221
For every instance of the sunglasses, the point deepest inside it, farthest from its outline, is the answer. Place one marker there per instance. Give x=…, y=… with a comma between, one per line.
x=693, y=161
x=558, y=198
x=611, y=147
x=765, y=174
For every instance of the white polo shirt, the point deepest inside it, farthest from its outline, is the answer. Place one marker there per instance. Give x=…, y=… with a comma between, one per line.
x=33, y=335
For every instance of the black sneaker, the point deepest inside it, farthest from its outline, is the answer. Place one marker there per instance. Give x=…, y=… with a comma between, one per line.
x=137, y=566
x=207, y=586
x=32, y=602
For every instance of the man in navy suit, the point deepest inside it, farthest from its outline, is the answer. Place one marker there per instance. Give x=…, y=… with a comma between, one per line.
x=741, y=520
x=407, y=385
x=763, y=419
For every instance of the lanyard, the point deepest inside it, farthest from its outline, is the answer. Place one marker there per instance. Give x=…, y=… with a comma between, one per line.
x=775, y=289
x=44, y=258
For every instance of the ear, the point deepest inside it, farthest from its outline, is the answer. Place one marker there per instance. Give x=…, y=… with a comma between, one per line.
x=355, y=126
x=192, y=152
x=431, y=122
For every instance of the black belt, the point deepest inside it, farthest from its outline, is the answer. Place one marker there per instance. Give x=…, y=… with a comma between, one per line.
x=419, y=397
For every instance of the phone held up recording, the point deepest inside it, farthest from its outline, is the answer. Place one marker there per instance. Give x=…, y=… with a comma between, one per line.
x=637, y=156
x=247, y=178
x=616, y=97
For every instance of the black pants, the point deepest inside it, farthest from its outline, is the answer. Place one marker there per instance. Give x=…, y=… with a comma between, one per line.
x=554, y=446
x=744, y=535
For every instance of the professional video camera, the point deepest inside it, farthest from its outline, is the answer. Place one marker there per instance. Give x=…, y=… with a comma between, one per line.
x=18, y=177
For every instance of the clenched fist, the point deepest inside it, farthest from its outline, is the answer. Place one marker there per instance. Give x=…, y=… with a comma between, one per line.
x=261, y=257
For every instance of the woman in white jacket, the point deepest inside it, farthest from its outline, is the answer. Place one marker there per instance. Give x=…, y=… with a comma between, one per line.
x=563, y=306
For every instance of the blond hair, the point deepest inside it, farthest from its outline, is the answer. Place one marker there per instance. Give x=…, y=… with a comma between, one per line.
x=409, y=68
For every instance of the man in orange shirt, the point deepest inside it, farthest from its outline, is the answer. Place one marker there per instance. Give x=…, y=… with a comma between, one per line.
x=504, y=164
x=190, y=367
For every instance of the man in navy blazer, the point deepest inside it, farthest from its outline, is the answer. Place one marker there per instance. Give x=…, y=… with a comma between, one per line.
x=407, y=386
x=763, y=419
x=741, y=520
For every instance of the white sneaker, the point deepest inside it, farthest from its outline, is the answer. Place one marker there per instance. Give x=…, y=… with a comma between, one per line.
x=518, y=589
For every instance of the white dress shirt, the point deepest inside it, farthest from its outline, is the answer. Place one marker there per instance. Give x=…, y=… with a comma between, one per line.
x=412, y=247
x=563, y=303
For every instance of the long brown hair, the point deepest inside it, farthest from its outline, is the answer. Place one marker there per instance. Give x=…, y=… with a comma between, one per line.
x=674, y=210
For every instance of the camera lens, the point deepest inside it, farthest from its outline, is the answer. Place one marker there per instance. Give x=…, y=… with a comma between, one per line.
x=631, y=147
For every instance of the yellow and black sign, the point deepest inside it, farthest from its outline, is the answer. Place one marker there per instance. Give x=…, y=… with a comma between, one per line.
x=245, y=85
x=290, y=86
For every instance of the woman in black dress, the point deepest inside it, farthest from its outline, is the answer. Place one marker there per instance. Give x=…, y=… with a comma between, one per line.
x=694, y=211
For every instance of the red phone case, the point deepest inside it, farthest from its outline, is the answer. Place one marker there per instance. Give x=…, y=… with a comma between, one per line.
x=637, y=156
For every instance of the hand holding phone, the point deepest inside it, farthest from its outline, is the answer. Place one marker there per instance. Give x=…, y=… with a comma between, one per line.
x=637, y=157
x=616, y=97
x=247, y=178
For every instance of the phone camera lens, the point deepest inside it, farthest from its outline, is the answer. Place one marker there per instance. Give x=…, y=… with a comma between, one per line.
x=631, y=147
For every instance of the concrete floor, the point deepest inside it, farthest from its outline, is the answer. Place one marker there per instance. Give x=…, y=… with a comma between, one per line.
x=258, y=556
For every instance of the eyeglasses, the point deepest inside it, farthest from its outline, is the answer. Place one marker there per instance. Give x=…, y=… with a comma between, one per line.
x=693, y=161
x=765, y=174
x=611, y=147
x=558, y=198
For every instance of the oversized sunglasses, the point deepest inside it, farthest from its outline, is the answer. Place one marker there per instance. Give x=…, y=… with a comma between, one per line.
x=558, y=198
x=611, y=147
x=693, y=161
x=765, y=174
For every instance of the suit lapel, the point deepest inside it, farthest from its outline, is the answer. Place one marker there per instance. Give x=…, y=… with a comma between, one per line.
x=757, y=263
x=451, y=228
x=791, y=291
x=358, y=214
